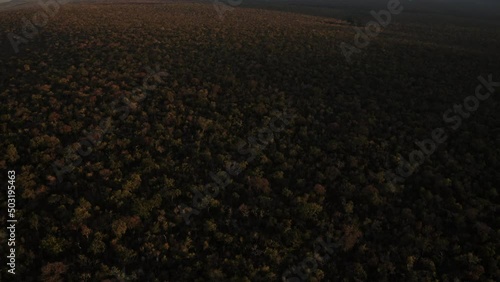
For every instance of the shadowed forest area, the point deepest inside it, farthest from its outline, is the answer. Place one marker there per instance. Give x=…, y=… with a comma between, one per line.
x=250, y=141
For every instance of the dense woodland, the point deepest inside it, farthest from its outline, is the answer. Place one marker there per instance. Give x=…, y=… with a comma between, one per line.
x=119, y=212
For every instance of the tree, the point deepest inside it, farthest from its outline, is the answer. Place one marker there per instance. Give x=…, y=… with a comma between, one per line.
x=54, y=245
x=97, y=246
x=11, y=154
x=52, y=272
